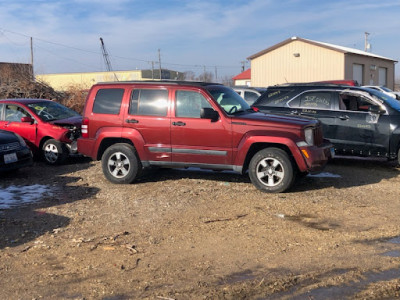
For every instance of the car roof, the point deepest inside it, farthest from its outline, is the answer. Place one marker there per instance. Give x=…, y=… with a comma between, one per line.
x=24, y=101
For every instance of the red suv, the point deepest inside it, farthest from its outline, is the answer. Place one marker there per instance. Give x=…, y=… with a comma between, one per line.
x=134, y=125
x=49, y=128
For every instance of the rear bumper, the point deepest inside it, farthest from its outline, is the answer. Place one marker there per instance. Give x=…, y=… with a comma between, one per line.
x=316, y=157
x=24, y=160
x=86, y=147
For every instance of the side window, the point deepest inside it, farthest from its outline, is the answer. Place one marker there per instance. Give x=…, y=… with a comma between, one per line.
x=1, y=111
x=189, y=104
x=320, y=100
x=14, y=113
x=355, y=103
x=250, y=97
x=108, y=101
x=149, y=102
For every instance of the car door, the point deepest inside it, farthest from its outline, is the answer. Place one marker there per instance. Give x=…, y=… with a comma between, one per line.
x=148, y=114
x=317, y=104
x=11, y=121
x=360, y=131
x=196, y=140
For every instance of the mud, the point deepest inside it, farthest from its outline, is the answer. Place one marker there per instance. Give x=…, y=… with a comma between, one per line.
x=190, y=234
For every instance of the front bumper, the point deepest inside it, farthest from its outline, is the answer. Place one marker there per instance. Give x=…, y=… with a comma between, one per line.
x=316, y=157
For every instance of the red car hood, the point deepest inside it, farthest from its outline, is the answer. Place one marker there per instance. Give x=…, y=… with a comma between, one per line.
x=75, y=121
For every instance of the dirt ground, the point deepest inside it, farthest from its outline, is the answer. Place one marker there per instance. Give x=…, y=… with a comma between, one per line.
x=186, y=234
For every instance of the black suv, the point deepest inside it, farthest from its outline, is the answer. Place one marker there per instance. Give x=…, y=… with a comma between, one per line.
x=358, y=121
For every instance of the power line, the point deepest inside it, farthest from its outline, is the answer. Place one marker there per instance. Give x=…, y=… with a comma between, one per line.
x=195, y=66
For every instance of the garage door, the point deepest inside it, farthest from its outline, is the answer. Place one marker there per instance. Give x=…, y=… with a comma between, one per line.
x=358, y=73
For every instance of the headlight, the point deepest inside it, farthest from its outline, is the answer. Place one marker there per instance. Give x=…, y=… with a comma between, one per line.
x=309, y=136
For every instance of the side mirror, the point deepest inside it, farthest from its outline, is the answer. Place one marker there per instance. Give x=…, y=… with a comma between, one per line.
x=27, y=120
x=209, y=113
x=375, y=109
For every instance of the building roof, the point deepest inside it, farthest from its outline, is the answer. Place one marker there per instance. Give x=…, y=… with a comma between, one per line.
x=344, y=50
x=244, y=75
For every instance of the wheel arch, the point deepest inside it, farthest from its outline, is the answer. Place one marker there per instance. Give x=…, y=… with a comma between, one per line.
x=107, y=142
x=255, y=147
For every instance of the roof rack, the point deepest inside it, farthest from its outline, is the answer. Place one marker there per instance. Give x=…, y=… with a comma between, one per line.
x=168, y=82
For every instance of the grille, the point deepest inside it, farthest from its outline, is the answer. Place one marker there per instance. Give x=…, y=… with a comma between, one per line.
x=9, y=147
x=318, y=136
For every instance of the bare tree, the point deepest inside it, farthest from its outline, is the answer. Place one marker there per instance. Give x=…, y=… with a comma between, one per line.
x=189, y=75
x=206, y=77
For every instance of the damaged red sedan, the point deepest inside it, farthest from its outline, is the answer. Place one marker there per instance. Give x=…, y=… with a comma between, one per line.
x=49, y=128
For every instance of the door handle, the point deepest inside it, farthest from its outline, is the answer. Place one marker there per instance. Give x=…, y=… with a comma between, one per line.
x=179, y=123
x=343, y=117
x=131, y=121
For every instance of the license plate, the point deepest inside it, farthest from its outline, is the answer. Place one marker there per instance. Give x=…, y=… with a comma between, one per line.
x=332, y=152
x=10, y=158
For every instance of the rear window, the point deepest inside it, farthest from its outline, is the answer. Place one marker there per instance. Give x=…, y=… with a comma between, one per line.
x=108, y=101
x=275, y=97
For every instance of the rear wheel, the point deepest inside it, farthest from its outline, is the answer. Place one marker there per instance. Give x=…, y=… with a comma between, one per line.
x=54, y=152
x=120, y=163
x=271, y=170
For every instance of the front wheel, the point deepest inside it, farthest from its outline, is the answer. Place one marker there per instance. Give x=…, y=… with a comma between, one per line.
x=271, y=170
x=120, y=164
x=54, y=152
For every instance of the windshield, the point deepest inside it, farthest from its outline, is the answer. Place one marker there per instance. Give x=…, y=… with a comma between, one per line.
x=392, y=102
x=386, y=89
x=228, y=99
x=50, y=111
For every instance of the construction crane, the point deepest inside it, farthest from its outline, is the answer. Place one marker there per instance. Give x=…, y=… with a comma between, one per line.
x=105, y=55
x=107, y=59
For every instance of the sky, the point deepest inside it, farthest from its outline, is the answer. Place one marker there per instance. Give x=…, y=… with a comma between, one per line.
x=187, y=35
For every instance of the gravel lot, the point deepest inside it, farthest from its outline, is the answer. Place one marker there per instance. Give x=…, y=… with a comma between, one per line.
x=190, y=234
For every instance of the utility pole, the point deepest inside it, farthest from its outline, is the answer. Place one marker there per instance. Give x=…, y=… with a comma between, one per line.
x=159, y=61
x=366, y=44
x=33, y=73
x=216, y=74
x=243, y=65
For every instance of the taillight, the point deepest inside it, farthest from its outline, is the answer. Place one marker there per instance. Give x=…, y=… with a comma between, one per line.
x=85, y=128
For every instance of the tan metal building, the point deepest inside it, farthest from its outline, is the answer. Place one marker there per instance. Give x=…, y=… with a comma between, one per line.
x=63, y=81
x=302, y=60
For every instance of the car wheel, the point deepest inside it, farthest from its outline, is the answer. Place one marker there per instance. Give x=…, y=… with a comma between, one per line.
x=54, y=152
x=271, y=170
x=120, y=164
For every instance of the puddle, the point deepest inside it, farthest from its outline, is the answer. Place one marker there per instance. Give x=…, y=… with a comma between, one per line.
x=395, y=240
x=349, y=290
x=324, y=175
x=392, y=253
x=14, y=196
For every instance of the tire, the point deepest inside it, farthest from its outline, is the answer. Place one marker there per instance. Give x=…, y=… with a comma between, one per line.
x=120, y=164
x=54, y=152
x=271, y=170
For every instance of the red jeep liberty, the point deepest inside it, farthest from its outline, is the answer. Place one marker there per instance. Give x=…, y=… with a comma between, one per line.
x=135, y=125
